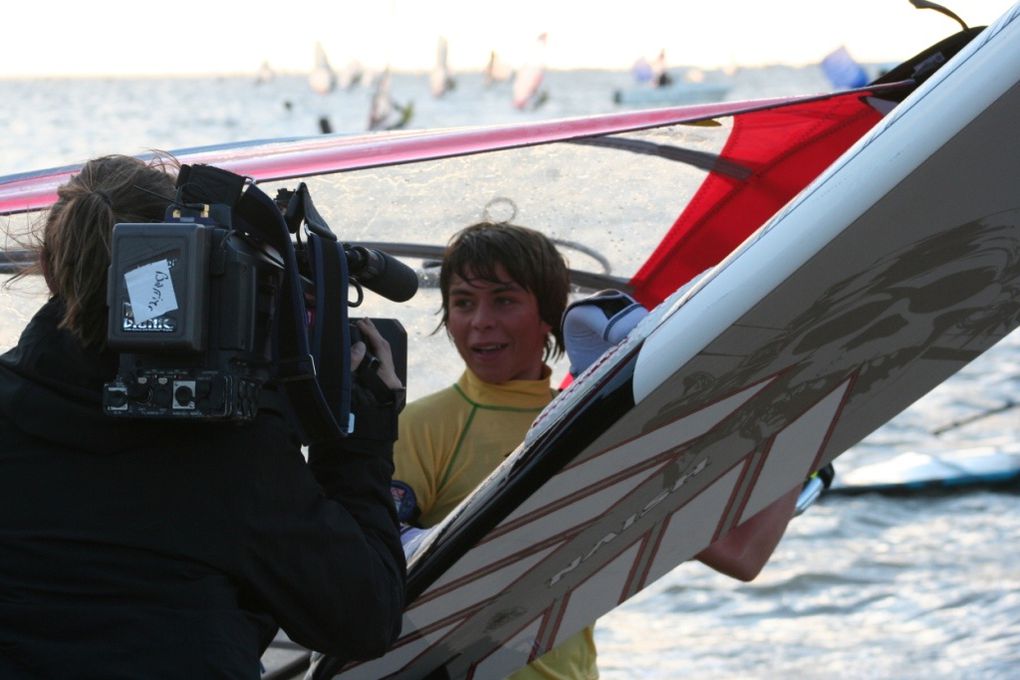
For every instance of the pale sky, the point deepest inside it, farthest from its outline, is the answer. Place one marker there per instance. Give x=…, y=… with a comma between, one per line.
x=117, y=37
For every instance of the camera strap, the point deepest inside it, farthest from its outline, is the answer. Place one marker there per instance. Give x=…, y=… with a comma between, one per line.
x=330, y=340
x=319, y=400
x=316, y=399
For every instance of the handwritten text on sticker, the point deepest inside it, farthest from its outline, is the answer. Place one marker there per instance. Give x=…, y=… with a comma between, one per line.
x=151, y=290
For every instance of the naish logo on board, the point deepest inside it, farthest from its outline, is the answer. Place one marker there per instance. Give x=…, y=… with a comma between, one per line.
x=161, y=324
x=629, y=521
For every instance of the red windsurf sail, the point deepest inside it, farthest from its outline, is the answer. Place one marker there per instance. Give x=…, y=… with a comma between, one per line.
x=782, y=149
x=779, y=150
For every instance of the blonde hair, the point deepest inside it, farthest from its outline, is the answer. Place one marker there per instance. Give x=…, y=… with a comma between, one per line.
x=74, y=251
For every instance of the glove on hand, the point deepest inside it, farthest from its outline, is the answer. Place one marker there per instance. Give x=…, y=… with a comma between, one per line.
x=375, y=406
x=593, y=325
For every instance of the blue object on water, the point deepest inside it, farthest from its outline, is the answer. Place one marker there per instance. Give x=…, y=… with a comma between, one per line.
x=642, y=71
x=842, y=71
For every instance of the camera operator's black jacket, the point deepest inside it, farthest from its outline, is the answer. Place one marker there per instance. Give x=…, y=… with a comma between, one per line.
x=145, y=549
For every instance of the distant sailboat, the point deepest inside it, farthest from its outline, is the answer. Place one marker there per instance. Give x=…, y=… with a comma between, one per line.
x=440, y=80
x=387, y=114
x=322, y=79
x=526, y=94
x=265, y=74
x=351, y=75
x=495, y=70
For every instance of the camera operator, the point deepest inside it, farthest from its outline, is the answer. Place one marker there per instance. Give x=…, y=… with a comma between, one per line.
x=159, y=548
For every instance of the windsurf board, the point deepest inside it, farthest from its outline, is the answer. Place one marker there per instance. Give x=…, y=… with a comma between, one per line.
x=925, y=471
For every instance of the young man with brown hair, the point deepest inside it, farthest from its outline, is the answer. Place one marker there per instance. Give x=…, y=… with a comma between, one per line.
x=504, y=290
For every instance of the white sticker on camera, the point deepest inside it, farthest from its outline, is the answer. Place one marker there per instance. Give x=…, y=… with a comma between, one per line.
x=151, y=291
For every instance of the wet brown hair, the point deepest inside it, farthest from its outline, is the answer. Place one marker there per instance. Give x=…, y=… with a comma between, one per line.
x=74, y=249
x=528, y=256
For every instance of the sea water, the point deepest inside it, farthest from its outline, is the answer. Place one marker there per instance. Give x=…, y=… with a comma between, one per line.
x=922, y=586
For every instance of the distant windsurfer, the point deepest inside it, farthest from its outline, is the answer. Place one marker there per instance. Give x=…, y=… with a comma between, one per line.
x=385, y=112
x=322, y=78
x=660, y=76
x=528, y=81
x=440, y=80
x=350, y=75
x=265, y=74
x=495, y=70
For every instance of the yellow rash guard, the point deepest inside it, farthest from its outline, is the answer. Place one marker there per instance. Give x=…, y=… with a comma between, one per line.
x=449, y=442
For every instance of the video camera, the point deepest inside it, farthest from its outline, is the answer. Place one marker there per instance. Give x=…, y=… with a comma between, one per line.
x=218, y=311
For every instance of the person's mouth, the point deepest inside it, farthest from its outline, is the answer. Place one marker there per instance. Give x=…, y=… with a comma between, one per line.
x=488, y=348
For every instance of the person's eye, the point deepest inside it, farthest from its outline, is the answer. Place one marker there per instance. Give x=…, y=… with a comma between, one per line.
x=460, y=303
